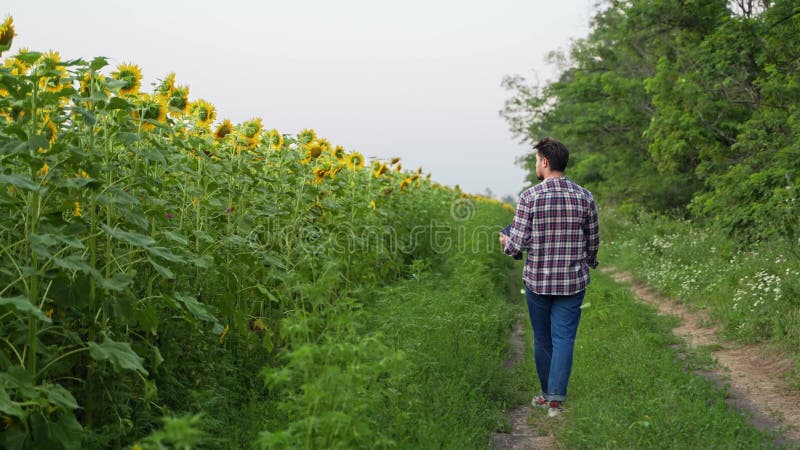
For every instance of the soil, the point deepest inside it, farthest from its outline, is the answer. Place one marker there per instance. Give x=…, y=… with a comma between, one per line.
x=522, y=435
x=754, y=376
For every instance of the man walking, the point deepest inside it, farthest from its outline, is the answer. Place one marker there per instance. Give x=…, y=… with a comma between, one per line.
x=556, y=223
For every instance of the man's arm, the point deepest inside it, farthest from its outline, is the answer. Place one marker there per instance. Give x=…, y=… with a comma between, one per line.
x=520, y=228
x=591, y=230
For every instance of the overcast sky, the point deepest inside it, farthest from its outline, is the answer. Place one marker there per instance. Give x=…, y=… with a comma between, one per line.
x=415, y=79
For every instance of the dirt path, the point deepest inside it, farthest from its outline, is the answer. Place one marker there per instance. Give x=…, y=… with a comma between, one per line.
x=522, y=436
x=754, y=377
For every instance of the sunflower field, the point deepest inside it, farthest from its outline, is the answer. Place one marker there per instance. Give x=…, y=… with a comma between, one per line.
x=171, y=280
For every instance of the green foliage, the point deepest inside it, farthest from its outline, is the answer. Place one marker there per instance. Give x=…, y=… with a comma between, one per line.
x=680, y=106
x=415, y=365
x=751, y=291
x=154, y=273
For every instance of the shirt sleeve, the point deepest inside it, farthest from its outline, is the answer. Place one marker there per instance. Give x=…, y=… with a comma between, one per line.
x=591, y=230
x=520, y=228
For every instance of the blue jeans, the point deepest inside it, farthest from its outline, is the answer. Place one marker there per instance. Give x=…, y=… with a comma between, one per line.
x=554, y=319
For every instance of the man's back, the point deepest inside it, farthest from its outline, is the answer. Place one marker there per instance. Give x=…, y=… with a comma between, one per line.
x=556, y=223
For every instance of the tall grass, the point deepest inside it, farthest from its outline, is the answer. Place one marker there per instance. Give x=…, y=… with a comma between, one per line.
x=753, y=291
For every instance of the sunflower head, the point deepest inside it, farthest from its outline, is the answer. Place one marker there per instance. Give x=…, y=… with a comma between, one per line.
x=203, y=113
x=131, y=76
x=17, y=64
x=394, y=161
x=379, y=169
x=313, y=150
x=148, y=110
x=178, y=101
x=49, y=129
x=56, y=75
x=6, y=34
x=320, y=173
x=355, y=161
x=252, y=128
x=223, y=129
x=325, y=144
x=404, y=184
x=249, y=133
x=275, y=139
x=306, y=136
x=165, y=88
x=338, y=152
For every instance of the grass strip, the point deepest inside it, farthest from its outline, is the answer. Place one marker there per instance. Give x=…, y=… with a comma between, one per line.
x=635, y=385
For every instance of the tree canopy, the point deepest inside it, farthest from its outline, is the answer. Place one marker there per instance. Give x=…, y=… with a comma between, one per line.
x=682, y=106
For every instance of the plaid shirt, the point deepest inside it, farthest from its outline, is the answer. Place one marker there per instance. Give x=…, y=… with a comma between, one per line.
x=556, y=223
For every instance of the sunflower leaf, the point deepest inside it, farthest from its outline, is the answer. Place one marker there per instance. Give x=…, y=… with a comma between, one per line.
x=21, y=304
x=22, y=182
x=59, y=396
x=166, y=253
x=135, y=239
x=165, y=272
x=7, y=406
x=98, y=63
x=116, y=102
x=118, y=282
x=73, y=262
x=196, y=308
x=119, y=354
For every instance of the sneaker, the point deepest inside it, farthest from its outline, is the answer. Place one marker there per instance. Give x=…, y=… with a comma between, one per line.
x=539, y=402
x=554, y=408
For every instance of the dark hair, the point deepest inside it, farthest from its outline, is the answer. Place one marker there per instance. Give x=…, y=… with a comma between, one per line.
x=554, y=151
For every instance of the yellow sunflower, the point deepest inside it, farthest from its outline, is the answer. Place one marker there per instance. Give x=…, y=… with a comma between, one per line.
x=406, y=181
x=165, y=88
x=178, y=101
x=6, y=34
x=338, y=152
x=98, y=84
x=394, y=161
x=148, y=110
x=250, y=133
x=313, y=151
x=326, y=146
x=320, y=174
x=57, y=74
x=355, y=161
x=16, y=64
x=131, y=75
x=306, y=136
x=336, y=166
x=49, y=129
x=275, y=139
x=202, y=112
x=223, y=129
x=379, y=169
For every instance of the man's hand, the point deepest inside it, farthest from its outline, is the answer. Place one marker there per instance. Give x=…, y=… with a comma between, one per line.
x=503, y=240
